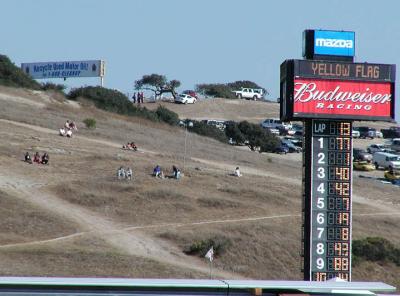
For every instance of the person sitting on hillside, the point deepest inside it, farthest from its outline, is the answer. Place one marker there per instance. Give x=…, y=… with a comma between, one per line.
x=63, y=132
x=176, y=171
x=157, y=172
x=28, y=158
x=237, y=172
x=36, y=158
x=72, y=126
x=69, y=133
x=45, y=158
x=121, y=173
x=129, y=173
x=133, y=146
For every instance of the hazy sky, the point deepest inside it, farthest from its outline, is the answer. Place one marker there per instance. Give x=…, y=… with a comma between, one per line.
x=198, y=41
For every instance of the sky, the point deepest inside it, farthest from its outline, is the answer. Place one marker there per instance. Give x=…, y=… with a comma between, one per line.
x=193, y=41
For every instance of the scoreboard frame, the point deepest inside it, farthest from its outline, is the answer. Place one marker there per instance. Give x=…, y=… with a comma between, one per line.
x=326, y=217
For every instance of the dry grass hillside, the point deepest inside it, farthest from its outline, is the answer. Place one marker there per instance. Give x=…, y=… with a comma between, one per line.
x=74, y=218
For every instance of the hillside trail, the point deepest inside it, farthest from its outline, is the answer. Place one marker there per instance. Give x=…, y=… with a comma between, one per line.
x=133, y=242
x=227, y=167
x=130, y=239
x=224, y=166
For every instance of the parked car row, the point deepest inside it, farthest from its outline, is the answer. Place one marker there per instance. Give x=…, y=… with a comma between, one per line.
x=365, y=132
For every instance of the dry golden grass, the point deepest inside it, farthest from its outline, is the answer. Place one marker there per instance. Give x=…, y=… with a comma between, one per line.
x=259, y=214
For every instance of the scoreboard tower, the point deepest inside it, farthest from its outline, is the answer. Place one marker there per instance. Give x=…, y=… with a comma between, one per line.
x=328, y=91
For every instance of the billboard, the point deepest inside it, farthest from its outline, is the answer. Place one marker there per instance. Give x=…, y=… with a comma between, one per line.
x=64, y=69
x=337, y=43
x=337, y=90
x=336, y=98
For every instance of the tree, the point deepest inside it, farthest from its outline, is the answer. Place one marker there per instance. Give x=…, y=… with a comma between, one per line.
x=255, y=135
x=215, y=90
x=232, y=131
x=157, y=84
x=225, y=90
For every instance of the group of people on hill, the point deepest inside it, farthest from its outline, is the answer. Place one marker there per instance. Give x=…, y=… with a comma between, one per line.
x=124, y=173
x=139, y=97
x=130, y=146
x=66, y=130
x=44, y=159
x=158, y=172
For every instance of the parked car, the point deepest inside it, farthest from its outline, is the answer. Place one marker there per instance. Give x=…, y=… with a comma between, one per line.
x=281, y=149
x=250, y=93
x=367, y=132
x=276, y=123
x=292, y=148
x=274, y=131
x=220, y=124
x=376, y=148
x=185, y=99
x=363, y=166
x=391, y=132
x=191, y=93
x=392, y=175
x=378, y=134
x=361, y=155
x=395, y=144
x=295, y=140
x=386, y=160
x=355, y=133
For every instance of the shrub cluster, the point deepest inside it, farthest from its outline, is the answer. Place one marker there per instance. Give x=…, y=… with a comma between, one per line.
x=115, y=101
x=11, y=75
x=224, y=90
x=252, y=135
x=216, y=90
x=53, y=86
x=204, y=129
x=376, y=249
x=200, y=248
x=167, y=115
x=90, y=123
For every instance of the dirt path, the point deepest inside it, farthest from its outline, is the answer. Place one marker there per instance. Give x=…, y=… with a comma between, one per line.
x=131, y=239
x=133, y=242
x=226, y=167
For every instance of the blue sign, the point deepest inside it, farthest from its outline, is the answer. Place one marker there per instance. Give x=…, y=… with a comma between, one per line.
x=337, y=43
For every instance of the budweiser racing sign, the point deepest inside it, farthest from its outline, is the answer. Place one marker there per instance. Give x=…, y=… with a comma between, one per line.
x=338, y=97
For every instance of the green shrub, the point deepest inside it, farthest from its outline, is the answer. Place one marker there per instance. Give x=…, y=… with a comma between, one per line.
x=200, y=248
x=53, y=86
x=115, y=101
x=253, y=135
x=375, y=249
x=90, y=123
x=216, y=90
x=11, y=75
x=106, y=99
x=167, y=115
x=221, y=90
x=211, y=131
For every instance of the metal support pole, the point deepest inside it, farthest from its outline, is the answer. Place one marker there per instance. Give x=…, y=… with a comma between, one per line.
x=184, y=155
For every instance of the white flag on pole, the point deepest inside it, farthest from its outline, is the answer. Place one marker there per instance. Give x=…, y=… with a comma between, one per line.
x=210, y=254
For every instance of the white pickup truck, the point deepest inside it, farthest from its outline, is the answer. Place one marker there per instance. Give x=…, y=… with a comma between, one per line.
x=250, y=93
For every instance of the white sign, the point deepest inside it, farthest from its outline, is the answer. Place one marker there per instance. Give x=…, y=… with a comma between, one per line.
x=91, y=68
